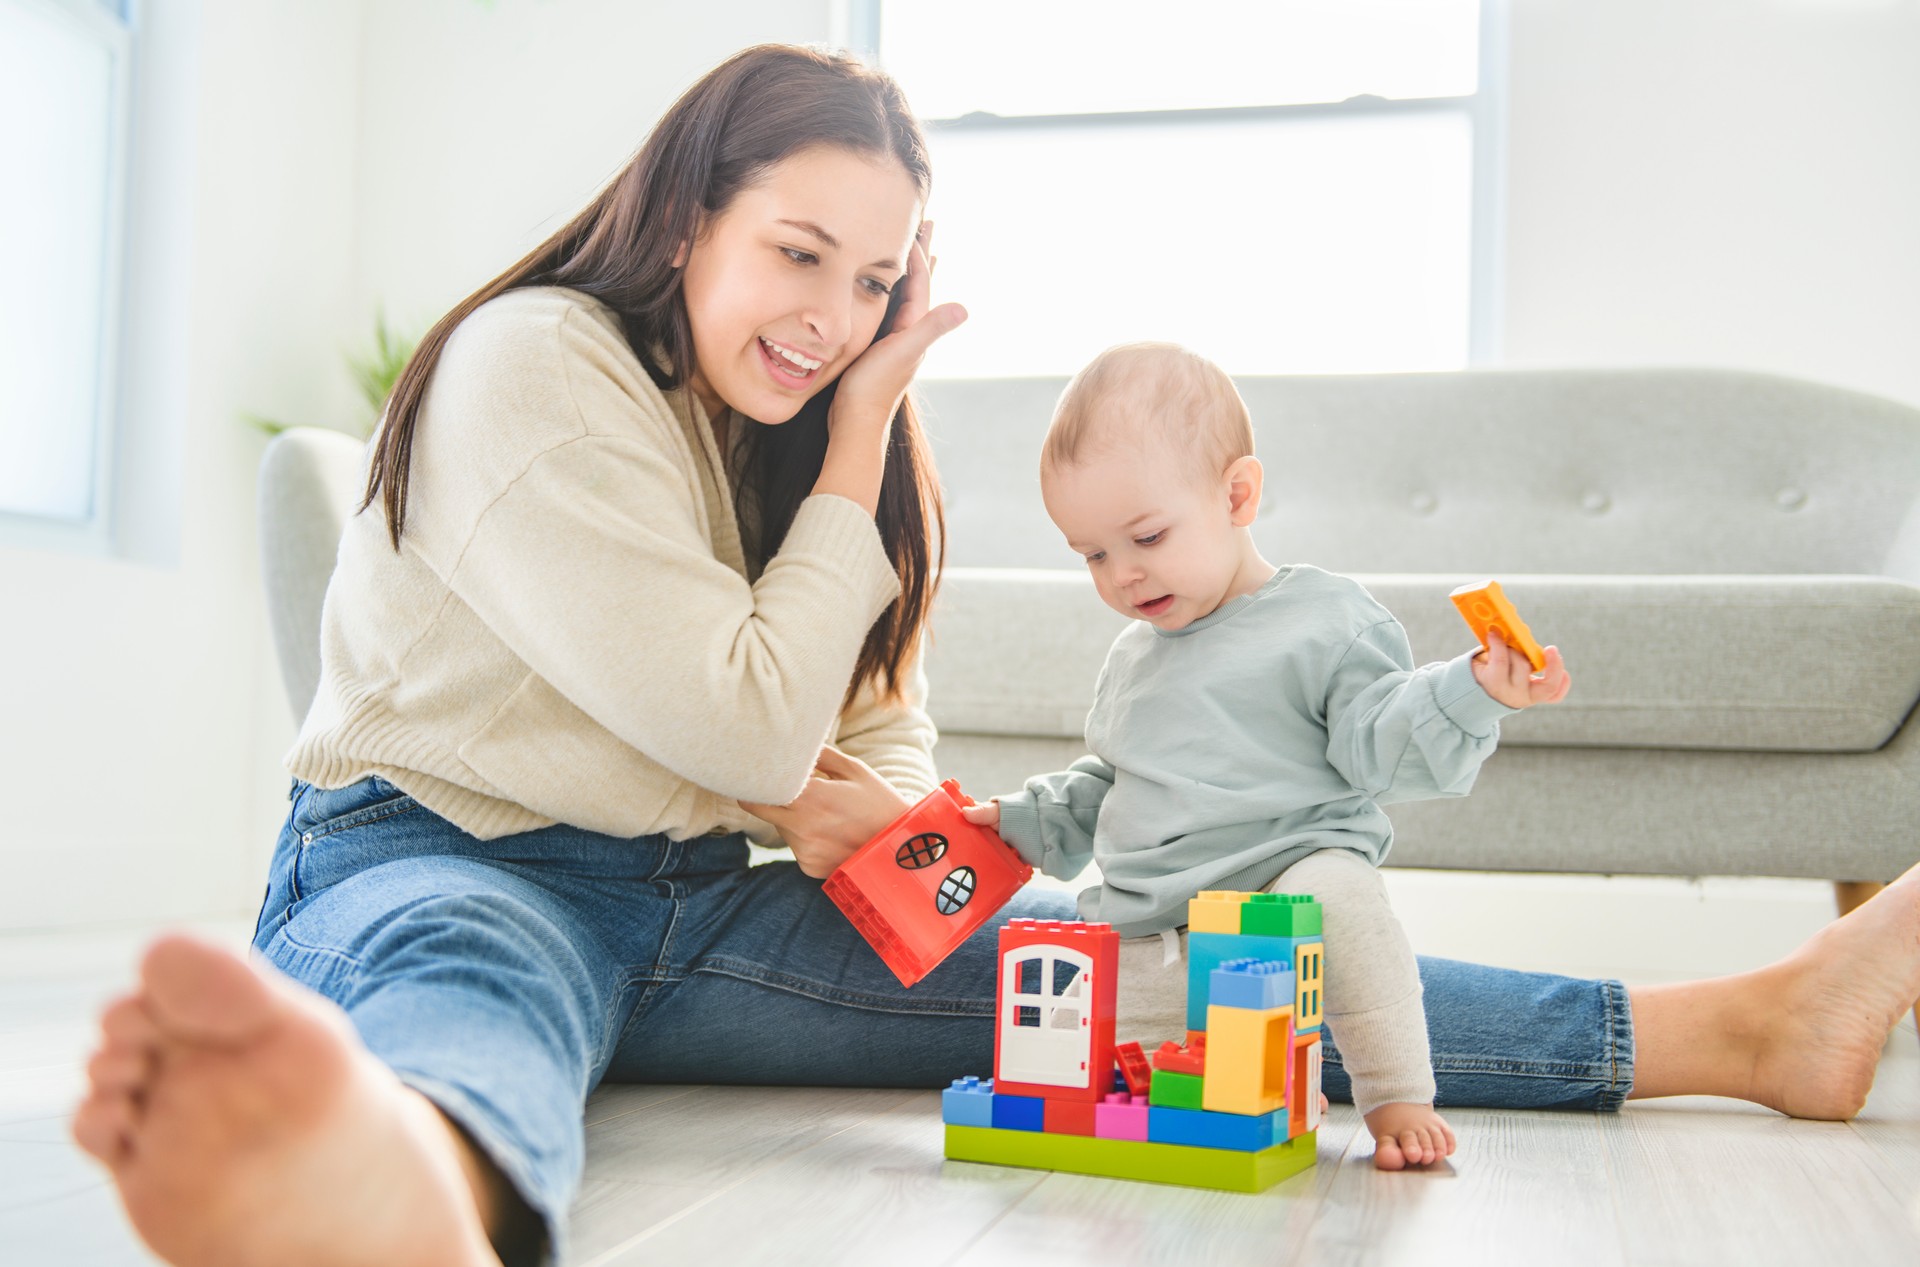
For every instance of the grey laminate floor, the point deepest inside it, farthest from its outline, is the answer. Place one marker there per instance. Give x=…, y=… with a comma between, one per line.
x=724, y=1175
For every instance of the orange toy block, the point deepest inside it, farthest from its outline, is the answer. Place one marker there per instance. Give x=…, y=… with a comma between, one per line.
x=1486, y=607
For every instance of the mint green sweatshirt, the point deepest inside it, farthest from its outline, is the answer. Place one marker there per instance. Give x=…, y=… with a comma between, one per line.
x=1224, y=752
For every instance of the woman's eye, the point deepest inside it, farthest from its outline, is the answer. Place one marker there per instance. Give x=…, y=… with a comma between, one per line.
x=875, y=287
x=798, y=256
x=1147, y=541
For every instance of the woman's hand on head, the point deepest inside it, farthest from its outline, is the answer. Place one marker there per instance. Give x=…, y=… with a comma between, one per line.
x=844, y=805
x=871, y=388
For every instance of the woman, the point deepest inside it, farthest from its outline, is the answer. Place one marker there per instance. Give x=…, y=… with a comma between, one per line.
x=648, y=546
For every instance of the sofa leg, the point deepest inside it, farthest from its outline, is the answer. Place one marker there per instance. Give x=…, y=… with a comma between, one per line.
x=1848, y=894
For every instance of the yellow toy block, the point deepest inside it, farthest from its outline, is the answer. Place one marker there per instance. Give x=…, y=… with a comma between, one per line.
x=1215, y=911
x=1249, y=1051
x=1486, y=607
x=1309, y=966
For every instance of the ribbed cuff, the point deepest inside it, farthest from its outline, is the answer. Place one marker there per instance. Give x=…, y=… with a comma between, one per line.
x=1020, y=826
x=1465, y=702
x=1385, y=1053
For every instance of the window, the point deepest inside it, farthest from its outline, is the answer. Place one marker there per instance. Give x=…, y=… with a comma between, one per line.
x=1288, y=186
x=63, y=127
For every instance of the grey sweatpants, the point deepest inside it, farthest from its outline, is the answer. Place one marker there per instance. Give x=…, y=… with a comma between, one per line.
x=1372, y=986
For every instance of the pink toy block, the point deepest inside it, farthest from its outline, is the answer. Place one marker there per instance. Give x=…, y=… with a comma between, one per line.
x=1121, y=1116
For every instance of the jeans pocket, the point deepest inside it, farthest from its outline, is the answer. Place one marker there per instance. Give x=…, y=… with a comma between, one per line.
x=347, y=830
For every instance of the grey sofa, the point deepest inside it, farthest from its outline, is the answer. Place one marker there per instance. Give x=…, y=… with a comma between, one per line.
x=1728, y=562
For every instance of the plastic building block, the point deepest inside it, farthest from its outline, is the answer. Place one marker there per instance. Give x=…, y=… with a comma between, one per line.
x=1248, y=1059
x=1068, y=1117
x=1175, y=1090
x=1215, y=911
x=1303, y=1112
x=1251, y=983
x=1280, y=915
x=1207, y=951
x=1226, y=1169
x=1136, y=1073
x=968, y=1102
x=1203, y=1129
x=1179, y=1058
x=1053, y=1032
x=1485, y=607
x=1019, y=1112
x=916, y=890
x=1119, y=1116
x=1309, y=969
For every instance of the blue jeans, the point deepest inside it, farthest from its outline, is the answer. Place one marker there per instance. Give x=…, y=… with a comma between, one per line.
x=505, y=979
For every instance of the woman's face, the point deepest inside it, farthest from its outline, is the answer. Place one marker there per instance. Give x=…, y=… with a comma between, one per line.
x=786, y=286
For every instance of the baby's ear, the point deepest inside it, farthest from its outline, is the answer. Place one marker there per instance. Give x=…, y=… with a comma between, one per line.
x=1244, y=479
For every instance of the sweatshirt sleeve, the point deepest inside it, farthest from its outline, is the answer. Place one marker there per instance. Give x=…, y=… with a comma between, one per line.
x=594, y=564
x=1051, y=821
x=1400, y=733
x=895, y=737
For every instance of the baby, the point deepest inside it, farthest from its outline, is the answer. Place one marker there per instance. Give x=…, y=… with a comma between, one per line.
x=1246, y=730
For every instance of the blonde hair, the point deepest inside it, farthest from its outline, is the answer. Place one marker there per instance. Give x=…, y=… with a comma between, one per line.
x=1140, y=391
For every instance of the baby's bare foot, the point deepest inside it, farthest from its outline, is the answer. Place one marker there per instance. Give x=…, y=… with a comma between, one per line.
x=1408, y=1135
x=243, y=1122
x=1834, y=1001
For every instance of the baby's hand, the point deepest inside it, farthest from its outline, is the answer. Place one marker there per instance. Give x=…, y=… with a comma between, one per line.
x=987, y=815
x=1509, y=677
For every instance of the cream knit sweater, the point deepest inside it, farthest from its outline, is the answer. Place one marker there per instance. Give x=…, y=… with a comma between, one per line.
x=570, y=631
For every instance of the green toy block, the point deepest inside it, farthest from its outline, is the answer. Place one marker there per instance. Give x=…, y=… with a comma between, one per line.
x=1222, y=1168
x=1280, y=915
x=1172, y=1090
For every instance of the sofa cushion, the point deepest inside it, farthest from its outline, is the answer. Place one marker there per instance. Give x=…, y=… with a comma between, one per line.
x=1770, y=663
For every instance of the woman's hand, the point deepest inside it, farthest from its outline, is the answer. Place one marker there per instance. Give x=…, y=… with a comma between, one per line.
x=1508, y=676
x=871, y=388
x=844, y=805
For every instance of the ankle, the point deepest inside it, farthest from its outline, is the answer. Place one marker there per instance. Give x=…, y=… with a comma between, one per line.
x=517, y=1235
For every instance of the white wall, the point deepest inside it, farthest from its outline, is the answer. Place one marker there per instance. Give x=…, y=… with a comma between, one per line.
x=137, y=777
x=1717, y=182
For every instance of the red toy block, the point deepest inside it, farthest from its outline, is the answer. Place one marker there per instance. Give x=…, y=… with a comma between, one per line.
x=1054, y=1007
x=1134, y=1067
x=930, y=878
x=1069, y=1117
x=1485, y=607
x=1181, y=1058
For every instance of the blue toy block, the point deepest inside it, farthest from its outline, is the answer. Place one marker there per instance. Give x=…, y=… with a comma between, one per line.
x=1019, y=1112
x=1257, y=984
x=968, y=1102
x=1201, y=1129
x=1207, y=951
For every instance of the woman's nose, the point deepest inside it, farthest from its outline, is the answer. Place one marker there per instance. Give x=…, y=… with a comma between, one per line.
x=829, y=316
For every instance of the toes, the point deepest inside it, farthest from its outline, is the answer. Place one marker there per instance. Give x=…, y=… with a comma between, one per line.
x=1414, y=1147
x=103, y=1126
x=1387, y=1154
x=120, y=1070
x=203, y=993
x=126, y=1022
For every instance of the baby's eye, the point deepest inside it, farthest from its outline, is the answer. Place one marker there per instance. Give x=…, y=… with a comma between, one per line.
x=798, y=256
x=1096, y=556
x=1149, y=540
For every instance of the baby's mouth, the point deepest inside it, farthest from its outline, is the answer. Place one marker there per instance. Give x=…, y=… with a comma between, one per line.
x=1155, y=606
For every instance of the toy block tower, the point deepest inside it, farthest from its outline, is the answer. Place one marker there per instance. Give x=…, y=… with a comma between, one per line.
x=1054, y=1015
x=916, y=890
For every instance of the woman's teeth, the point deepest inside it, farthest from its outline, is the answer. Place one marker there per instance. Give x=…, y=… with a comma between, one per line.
x=804, y=364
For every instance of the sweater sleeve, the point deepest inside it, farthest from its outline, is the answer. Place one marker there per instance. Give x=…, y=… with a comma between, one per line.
x=1400, y=733
x=895, y=737
x=595, y=566
x=1051, y=821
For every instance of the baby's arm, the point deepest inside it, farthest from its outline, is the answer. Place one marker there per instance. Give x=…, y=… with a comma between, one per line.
x=1050, y=822
x=1399, y=733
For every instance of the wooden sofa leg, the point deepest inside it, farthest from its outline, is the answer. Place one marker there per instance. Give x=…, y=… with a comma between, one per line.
x=1848, y=894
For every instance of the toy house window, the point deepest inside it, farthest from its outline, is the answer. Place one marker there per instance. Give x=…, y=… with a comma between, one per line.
x=955, y=891
x=921, y=851
x=1050, y=992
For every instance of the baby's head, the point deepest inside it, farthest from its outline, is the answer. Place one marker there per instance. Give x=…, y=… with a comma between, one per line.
x=1148, y=470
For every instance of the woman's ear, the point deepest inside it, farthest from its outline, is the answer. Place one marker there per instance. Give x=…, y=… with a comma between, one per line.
x=1244, y=480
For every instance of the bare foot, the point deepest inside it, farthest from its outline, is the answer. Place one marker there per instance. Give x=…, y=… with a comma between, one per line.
x=1408, y=1135
x=243, y=1122
x=1835, y=1001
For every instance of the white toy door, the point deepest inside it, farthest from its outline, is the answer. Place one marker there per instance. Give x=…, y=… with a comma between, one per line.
x=1046, y=1028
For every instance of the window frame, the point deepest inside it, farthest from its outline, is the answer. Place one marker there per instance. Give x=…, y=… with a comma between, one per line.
x=110, y=24
x=1485, y=113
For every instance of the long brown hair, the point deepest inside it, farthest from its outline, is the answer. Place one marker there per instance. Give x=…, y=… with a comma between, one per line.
x=725, y=133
